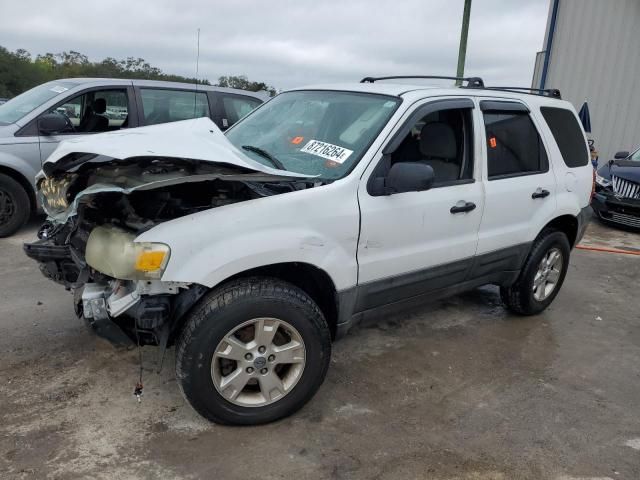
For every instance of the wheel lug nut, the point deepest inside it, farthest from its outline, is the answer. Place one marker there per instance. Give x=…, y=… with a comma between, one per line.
x=263, y=371
x=249, y=369
x=262, y=349
x=248, y=356
x=272, y=358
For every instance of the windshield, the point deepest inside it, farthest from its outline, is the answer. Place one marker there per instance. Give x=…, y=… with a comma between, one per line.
x=18, y=107
x=635, y=156
x=322, y=133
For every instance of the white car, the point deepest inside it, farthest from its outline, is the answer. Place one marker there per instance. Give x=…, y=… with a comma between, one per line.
x=253, y=250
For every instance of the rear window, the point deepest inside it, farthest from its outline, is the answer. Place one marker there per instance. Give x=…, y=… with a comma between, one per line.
x=568, y=135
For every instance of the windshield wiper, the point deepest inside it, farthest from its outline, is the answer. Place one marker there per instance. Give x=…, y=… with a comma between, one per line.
x=263, y=153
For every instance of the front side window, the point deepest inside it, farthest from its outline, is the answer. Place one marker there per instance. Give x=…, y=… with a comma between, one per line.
x=444, y=141
x=513, y=145
x=163, y=106
x=95, y=111
x=27, y=102
x=323, y=133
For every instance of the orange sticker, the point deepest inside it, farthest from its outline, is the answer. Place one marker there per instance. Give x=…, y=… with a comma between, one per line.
x=331, y=164
x=297, y=140
x=493, y=143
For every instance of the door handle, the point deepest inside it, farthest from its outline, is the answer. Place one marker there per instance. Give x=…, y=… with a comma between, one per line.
x=540, y=193
x=462, y=207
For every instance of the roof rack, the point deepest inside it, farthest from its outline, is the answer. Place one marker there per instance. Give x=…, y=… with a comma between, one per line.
x=472, y=82
x=546, y=92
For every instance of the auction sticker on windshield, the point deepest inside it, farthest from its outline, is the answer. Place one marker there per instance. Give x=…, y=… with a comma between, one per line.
x=327, y=150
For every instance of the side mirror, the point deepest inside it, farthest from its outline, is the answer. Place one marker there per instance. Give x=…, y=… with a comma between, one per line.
x=51, y=123
x=621, y=155
x=409, y=177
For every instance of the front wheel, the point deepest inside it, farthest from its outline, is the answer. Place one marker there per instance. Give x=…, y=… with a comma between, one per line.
x=253, y=351
x=15, y=206
x=542, y=275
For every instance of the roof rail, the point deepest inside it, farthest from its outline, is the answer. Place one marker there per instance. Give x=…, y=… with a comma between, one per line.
x=472, y=82
x=546, y=92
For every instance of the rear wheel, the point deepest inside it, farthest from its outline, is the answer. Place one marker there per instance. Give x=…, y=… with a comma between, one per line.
x=542, y=275
x=15, y=206
x=253, y=351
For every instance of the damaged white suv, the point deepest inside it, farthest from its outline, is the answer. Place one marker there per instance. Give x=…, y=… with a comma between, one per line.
x=252, y=250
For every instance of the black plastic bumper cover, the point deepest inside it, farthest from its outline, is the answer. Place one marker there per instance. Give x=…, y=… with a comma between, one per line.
x=621, y=211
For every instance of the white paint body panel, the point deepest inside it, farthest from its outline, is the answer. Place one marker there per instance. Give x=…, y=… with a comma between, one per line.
x=413, y=231
x=197, y=139
x=399, y=234
x=318, y=226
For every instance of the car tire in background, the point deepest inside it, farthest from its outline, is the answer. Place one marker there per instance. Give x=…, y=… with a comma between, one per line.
x=15, y=206
x=542, y=275
x=252, y=351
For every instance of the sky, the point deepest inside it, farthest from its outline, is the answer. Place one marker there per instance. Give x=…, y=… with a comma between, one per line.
x=289, y=43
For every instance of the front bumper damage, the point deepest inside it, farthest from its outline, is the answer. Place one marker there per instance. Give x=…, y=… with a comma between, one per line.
x=616, y=210
x=124, y=312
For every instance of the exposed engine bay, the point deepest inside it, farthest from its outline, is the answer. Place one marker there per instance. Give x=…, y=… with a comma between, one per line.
x=98, y=205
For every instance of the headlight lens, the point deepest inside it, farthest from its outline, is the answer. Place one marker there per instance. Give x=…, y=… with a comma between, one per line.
x=112, y=251
x=53, y=194
x=603, y=182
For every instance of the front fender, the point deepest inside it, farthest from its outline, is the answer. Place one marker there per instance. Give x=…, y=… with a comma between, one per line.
x=318, y=226
x=11, y=161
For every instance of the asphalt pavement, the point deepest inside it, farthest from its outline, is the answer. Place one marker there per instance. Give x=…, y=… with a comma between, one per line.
x=459, y=389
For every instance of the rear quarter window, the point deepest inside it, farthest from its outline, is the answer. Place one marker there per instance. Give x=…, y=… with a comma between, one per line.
x=568, y=135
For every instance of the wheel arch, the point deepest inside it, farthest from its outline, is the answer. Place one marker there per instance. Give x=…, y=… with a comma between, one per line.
x=567, y=224
x=314, y=281
x=24, y=183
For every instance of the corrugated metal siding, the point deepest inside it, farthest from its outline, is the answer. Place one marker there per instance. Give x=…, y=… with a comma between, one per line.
x=595, y=57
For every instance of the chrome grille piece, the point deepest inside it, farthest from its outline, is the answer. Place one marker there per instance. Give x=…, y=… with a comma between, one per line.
x=625, y=219
x=625, y=188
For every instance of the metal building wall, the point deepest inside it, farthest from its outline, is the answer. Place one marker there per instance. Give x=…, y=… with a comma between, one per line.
x=595, y=57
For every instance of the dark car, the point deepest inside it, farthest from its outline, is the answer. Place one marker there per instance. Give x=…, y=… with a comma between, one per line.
x=617, y=197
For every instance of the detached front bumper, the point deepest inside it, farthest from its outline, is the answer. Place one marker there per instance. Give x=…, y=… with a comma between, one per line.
x=624, y=212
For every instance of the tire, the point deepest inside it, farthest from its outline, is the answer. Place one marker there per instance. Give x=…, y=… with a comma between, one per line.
x=520, y=297
x=227, y=309
x=15, y=206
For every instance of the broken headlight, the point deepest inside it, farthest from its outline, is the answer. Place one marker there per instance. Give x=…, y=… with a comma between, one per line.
x=53, y=193
x=112, y=251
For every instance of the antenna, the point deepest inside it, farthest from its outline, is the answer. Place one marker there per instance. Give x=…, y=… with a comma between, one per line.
x=195, y=93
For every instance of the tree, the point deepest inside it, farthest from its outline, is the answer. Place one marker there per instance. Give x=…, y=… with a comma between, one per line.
x=243, y=83
x=20, y=72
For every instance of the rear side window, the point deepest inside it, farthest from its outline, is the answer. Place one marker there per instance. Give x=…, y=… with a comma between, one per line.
x=236, y=107
x=513, y=145
x=568, y=135
x=162, y=106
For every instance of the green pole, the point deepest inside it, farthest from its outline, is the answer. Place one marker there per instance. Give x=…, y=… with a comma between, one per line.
x=462, y=52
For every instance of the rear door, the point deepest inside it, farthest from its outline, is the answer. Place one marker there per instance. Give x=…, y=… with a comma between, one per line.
x=519, y=184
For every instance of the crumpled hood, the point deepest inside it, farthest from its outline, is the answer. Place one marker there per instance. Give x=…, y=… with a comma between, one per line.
x=197, y=139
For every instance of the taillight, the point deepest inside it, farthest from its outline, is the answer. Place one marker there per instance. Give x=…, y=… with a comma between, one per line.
x=593, y=185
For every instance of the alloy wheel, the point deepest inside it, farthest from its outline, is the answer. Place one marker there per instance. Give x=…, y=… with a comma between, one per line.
x=548, y=274
x=259, y=362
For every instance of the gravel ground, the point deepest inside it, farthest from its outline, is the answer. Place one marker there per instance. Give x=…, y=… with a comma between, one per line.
x=455, y=390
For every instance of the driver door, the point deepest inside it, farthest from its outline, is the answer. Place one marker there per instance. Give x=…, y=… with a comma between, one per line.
x=114, y=104
x=416, y=242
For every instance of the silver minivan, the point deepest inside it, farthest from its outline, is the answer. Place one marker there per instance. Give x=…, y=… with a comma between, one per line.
x=33, y=123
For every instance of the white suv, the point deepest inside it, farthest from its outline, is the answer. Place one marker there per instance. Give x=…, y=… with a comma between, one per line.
x=252, y=250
